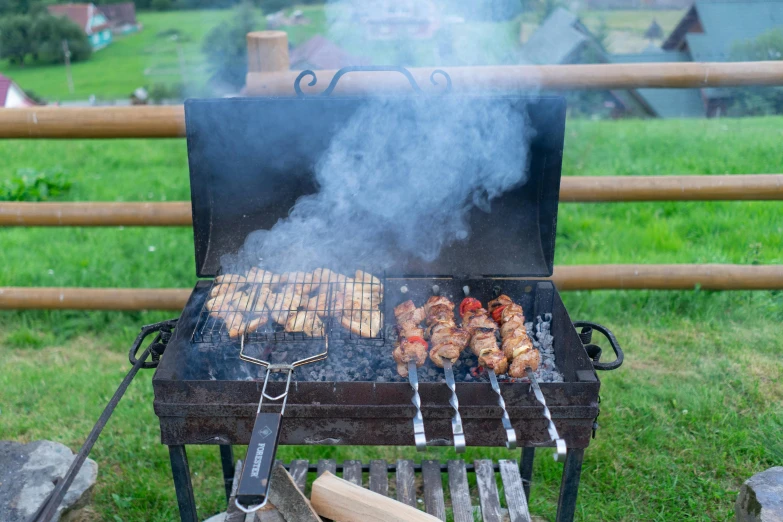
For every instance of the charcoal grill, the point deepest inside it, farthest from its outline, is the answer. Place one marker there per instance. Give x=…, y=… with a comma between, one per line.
x=247, y=175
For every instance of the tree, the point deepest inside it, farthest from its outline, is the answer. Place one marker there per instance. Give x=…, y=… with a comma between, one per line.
x=48, y=33
x=226, y=46
x=15, y=38
x=757, y=101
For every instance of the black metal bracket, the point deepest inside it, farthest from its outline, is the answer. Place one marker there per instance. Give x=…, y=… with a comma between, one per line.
x=586, y=337
x=158, y=345
x=369, y=68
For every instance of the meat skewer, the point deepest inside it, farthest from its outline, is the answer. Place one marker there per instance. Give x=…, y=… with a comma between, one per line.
x=481, y=328
x=410, y=352
x=518, y=347
x=448, y=341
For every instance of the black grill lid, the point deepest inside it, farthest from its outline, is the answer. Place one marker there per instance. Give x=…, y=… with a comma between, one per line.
x=251, y=158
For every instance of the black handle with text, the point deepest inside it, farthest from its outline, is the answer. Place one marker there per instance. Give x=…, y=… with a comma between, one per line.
x=254, y=483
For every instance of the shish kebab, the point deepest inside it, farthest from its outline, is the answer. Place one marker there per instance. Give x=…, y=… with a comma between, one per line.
x=410, y=352
x=524, y=358
x=483, y=342
x=447, y=341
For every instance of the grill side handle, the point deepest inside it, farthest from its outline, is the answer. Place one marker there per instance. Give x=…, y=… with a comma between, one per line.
x=585, y=336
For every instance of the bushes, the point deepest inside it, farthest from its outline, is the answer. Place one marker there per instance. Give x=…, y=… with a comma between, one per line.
x=758, y=101
x=41, y=37
x=226, y=46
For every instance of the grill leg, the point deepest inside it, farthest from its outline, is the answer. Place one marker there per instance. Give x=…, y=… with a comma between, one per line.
x=227, y=460
x=181, y=473
x=569, y=486
x=526, y=469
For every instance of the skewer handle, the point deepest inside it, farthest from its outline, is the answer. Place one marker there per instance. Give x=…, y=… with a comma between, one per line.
x=511, y=435
x=418, y=419
x=560, y=444
x=456, y=420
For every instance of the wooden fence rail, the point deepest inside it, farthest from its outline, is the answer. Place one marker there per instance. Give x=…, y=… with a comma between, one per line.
x=584, y=277
x=572, y=189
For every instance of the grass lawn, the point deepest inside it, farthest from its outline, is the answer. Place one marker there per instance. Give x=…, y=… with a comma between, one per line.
x=695, y=410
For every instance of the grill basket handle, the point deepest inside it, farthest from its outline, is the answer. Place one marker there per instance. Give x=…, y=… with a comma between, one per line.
x=612, y=340
x=369, y=68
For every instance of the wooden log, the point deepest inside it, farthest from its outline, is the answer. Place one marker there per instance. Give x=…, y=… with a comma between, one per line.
x=533, y=77
x=288, y=499
x=669, y=277
x=267, y=51
x=672, y=188
x=575, y=277
x=572, y=189
x=155, y=121
x=47, y=298
x=96, y=214
x=338, y=499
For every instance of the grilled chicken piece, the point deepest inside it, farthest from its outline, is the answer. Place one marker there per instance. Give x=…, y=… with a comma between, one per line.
x=223, y=304
x=303, y=282
x=440, y=333
x=530, y=358
x=502, y=300
x=511, y=311
x=369, y=282
x=362, y=323
x=256, y=321
x=306, y=322
x=515, y=344
x=515, y=322
x=230, y=278
x=318, y=304
x=224, y=288
x=407, y=312
x=445, y=351
x=280, y=304
x=409, y=329
x=493, y=359
x=482, y=341
x=407, y=351
x=479, y=321
x=436, y=300
x=257, y=275
x=235, y=324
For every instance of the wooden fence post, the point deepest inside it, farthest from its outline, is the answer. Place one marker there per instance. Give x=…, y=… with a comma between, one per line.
x=267, y=51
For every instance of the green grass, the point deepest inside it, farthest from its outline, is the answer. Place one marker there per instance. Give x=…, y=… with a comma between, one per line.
x=131, y=61
x=694, y=412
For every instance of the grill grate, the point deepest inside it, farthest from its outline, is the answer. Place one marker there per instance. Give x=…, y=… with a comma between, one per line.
x=265, y=307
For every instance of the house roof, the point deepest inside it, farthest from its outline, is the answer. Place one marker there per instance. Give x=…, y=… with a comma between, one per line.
x=666, y=103
x=5, y=85
x=321, y=53
x=119, y=14
x=558, y=40
x=81, y=14
x=710, y=28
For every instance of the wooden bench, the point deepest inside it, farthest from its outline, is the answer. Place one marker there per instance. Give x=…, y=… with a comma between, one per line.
x=419, y=485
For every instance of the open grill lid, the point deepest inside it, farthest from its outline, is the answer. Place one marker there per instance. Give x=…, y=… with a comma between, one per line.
x=252, y=158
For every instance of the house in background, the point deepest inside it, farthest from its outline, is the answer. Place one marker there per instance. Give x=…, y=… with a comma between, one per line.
x=12, y=96
x=121, y=17
x=90, y=19
x=397, y=19
x=321, y=53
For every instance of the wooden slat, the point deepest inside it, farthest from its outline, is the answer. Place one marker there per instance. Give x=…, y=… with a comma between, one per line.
x=327, y=465
x=488, y=491
x=155, y=121
x=53, y=298
x=298, y=471
x=460, y=492
x=550, y=77
x=515, y=493
x=572, y=189
x=433, y=489
x=379, y=477
x=406, y=482
x=352, y=471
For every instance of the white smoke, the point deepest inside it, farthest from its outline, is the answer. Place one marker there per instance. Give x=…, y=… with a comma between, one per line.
x=399, y=179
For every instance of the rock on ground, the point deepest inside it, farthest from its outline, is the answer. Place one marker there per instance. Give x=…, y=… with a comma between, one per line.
x=761, y=497
x=27, y=475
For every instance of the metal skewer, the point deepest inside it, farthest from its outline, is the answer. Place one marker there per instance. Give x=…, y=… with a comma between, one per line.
x=418, y=420
x=456, y=420
x=511, y=435
x=553, y=435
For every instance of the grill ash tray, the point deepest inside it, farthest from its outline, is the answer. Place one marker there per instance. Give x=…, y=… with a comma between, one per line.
x=205, y=395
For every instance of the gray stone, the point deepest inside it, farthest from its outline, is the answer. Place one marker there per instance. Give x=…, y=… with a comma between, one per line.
x=27, y=475
x=761, y=497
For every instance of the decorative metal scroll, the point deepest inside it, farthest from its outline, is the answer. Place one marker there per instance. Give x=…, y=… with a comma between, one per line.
x=369, y=68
